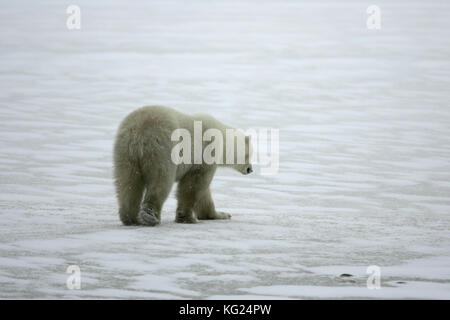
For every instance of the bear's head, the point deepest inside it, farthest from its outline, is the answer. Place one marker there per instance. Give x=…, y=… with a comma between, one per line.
x=241, y=163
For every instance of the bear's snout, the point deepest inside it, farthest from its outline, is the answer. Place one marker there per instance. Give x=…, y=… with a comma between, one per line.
x=249, y=169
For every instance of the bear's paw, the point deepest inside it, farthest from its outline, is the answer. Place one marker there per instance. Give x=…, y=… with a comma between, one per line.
x=148, y=217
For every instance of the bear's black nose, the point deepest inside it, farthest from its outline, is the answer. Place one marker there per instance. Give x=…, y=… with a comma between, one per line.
x=249, y=170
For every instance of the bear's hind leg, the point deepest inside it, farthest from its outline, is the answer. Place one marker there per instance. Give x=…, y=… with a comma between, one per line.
x=129, y=189
x=205, y=209
x=155, y=195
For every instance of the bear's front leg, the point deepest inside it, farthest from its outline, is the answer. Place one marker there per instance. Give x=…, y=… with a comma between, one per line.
x=185, y=216
x=191, y=188
x=205, y=209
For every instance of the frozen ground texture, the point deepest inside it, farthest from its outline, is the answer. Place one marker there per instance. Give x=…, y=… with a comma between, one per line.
x=364, y=120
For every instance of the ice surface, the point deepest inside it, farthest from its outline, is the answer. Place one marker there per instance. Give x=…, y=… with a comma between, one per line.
x=364, y=119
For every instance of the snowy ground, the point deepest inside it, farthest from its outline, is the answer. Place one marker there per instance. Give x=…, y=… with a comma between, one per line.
x=364, y=119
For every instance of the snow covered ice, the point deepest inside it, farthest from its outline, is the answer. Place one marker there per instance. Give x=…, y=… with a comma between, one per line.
x=364, y=176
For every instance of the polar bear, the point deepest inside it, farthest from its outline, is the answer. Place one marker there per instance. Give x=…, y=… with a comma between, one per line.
x=144, y=165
